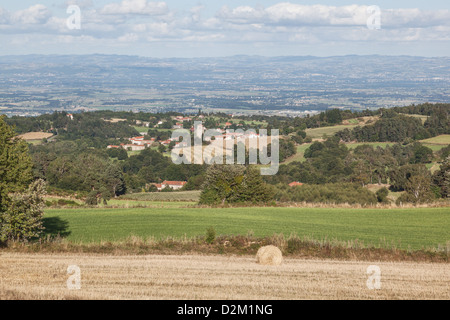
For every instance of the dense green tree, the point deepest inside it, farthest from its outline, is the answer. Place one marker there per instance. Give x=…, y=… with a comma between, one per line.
x=392, y=127
x=15, y=163
x=20, y=210
x=222, y=184
x=441, y=179
x=422, y=154
x=234, y=183
x=22, y=220
x=253, y=188
x=400, y=177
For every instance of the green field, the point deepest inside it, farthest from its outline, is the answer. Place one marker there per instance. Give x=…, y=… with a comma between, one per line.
x=401, y=228
x=140, y=129
x=300, y=155
x=437, y=143
x=442, y=139
x=318, y=133
x=163, y=196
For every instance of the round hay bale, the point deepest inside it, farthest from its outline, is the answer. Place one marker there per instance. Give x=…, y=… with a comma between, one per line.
x=269, y=256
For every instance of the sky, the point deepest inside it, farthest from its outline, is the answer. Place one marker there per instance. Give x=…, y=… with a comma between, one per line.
x=212, y=28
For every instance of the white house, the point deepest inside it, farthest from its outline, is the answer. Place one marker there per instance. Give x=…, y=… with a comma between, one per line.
x=175, y=185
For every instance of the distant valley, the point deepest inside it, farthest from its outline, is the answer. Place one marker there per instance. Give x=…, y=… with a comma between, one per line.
x=289, y=86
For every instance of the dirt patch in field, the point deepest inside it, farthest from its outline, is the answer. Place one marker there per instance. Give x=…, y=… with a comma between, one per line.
x=45, y=276
x=115, y=120
x=35, y=136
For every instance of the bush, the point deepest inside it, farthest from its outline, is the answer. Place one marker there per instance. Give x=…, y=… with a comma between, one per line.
x=91, y=199
x=210, y=235
x=22, y=220
x=62, y=203
x=382, y=195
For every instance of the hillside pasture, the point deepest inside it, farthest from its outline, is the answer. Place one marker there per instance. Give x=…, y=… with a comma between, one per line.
x=437, y=143
x=318, y=133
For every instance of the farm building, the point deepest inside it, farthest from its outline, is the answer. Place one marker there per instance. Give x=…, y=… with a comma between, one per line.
x=133, y=147
x=175, y=185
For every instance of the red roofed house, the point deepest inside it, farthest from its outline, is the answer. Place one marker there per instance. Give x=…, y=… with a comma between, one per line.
x=295, y=184
x=175, y=185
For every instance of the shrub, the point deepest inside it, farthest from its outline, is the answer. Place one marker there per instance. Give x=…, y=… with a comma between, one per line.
x=382, y=195
x=22, y=220
x=210, y=235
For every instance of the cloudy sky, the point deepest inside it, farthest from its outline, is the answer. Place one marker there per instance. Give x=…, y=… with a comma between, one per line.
x=201, y=28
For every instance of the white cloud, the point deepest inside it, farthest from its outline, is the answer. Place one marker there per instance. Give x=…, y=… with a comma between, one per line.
x=141, y=7
x=415, y=18
x=129, y=37
x=37, y=14
x=242, y=14
x=284, y=23
x=290, y=14
x=4, y=16
x=81, y=3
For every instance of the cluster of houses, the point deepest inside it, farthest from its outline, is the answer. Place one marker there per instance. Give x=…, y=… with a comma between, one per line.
x=238, y=135
x=139, y=143
x=136, y=144
x=180, y=120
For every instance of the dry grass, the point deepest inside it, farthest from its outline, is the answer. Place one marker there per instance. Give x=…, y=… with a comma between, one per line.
x=35, y=136
x=241, y=245
x=44, y=276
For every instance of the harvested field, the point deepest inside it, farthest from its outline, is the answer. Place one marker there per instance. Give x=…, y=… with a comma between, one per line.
x=44, y=276
x=35, y=136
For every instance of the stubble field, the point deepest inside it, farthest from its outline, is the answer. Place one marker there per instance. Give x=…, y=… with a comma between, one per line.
x=44, y=276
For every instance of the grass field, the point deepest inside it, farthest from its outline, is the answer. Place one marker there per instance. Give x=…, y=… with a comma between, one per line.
x=186, y=277
x=401, y=228
x=437, y=143
x=442, y=139
x=148, y=204
x=318, y=133
x=192, y=196
x=141, y=129
x=30, y=136
x=300, y=155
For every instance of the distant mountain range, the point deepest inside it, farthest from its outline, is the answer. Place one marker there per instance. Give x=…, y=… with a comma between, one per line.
x=34, y=84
